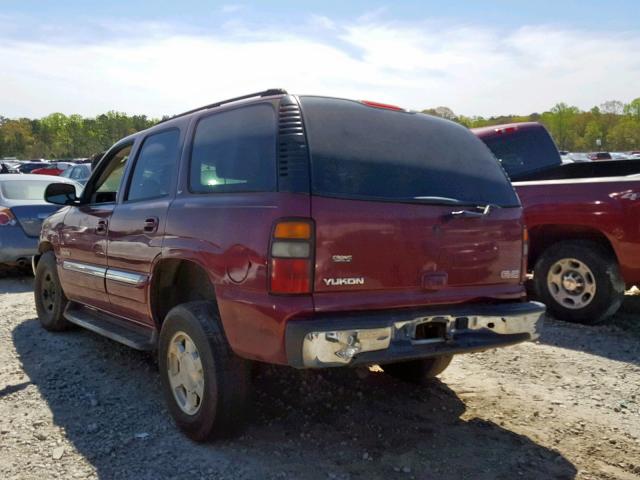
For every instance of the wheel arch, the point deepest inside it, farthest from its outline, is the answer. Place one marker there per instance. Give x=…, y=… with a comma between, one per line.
x=43, y=247
x=541, y=237
x=175, y=281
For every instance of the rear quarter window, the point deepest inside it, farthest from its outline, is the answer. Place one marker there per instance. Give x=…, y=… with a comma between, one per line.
x=235, y=151
x=368, y=153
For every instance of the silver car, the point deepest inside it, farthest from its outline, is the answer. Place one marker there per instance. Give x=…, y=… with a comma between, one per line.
x=22, y=210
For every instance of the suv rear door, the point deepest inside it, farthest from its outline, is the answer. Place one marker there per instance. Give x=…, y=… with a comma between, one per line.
x=399, y=202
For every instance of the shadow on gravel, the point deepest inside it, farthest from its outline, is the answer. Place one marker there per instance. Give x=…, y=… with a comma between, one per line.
x=8, y=390
x=303, y=424
x=15, y=280
x=618, y=338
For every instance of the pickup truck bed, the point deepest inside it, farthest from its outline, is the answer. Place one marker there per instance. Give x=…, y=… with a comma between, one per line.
x=582, y=218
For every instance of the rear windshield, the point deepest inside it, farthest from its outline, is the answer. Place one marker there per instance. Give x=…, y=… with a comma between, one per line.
x=24, y=189
x=374, y=154
x=525, y=151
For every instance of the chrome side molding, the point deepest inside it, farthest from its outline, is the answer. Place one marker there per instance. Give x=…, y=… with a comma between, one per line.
x=84, y=268
x=125, y=277
x=113, y=274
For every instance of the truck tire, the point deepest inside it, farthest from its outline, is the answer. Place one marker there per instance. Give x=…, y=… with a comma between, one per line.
x=49, y=297
x=418, y=371
x=205, y=384
x=579, y=281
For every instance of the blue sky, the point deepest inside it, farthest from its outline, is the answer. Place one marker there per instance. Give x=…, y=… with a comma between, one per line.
x=479, y=58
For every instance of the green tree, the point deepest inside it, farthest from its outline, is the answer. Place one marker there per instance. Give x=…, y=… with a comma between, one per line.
x=633, y=109
x=560, y=121
x=625, y=135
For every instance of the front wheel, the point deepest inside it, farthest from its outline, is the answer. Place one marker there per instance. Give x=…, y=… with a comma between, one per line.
x=205, y=384
x=579, y=281
x=49, y=297
x=418, y=371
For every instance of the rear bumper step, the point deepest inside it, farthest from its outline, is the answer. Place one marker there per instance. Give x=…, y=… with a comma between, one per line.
x=396, y=335
x=138, y=337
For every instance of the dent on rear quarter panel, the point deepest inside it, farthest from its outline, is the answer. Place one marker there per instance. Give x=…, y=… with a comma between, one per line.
x=210, y=229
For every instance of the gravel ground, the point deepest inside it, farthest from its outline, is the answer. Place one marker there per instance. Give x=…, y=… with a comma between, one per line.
x=75, y=405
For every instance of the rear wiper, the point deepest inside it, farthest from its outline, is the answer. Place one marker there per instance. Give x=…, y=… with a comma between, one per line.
x=437, y=200
x=482, y=211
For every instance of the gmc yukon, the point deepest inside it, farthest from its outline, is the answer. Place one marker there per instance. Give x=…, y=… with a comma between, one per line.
x=297, y=230
x=582, y=219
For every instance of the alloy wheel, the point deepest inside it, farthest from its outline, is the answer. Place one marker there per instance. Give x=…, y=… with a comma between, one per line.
x=186, y=376
x=571, y=283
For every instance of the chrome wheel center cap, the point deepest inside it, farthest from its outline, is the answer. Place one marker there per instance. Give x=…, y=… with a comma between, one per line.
x=573, y=282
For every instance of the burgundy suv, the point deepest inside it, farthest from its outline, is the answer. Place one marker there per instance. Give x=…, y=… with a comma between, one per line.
x=298, y=230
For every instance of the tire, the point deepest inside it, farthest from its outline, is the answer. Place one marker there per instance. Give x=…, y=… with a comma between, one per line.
x=220, y=392
x=418, y=371
x=579, y=281
x=49, y=297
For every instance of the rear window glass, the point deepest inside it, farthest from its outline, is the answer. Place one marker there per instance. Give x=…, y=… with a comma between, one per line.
x=369, y=153
x=524, y=151
x=24, y=189
x=235, y=151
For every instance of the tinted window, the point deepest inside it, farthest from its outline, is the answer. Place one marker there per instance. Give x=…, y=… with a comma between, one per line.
x=524, y=151
x=235, y=151
x=363, y=152
x=155, y=166
x=108, y=184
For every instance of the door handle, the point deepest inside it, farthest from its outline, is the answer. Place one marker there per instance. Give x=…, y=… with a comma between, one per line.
x=151, y=225
x=101, y=227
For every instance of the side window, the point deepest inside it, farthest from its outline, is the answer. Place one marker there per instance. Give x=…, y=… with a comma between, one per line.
x=235, y=151
x=155, y=166
x=106, y=188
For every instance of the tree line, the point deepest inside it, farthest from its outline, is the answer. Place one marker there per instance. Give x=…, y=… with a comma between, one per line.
x=59, y=136
x=613, y=126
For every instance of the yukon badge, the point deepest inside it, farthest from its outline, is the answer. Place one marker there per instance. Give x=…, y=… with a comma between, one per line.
x=335, y=282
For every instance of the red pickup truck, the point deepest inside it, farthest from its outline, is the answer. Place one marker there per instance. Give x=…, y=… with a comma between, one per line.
x=299, y=230
x=583, y=221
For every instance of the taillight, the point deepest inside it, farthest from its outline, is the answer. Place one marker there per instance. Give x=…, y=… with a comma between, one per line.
x=6, y=217
x=291, y=257
x=525, y=253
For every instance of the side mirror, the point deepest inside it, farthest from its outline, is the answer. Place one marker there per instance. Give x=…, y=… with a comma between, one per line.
x=61, y=194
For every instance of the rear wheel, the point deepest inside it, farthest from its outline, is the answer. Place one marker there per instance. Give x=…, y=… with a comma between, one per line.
x=49, y=298
x=579, y=281
x=205, y=384
x=418, y=371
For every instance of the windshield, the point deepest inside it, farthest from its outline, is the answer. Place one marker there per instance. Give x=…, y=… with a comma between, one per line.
x=369, y=153
x=24, y=189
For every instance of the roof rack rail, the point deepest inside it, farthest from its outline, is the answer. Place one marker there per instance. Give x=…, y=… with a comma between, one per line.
x=264, y=93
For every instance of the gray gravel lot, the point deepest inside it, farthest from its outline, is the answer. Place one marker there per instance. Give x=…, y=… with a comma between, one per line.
x=75, y=405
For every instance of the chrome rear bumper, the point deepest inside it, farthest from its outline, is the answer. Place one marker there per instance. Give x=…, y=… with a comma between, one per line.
x=384, y=337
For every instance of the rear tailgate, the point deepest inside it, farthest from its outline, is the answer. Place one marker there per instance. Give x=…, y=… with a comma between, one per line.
x=387, y=191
